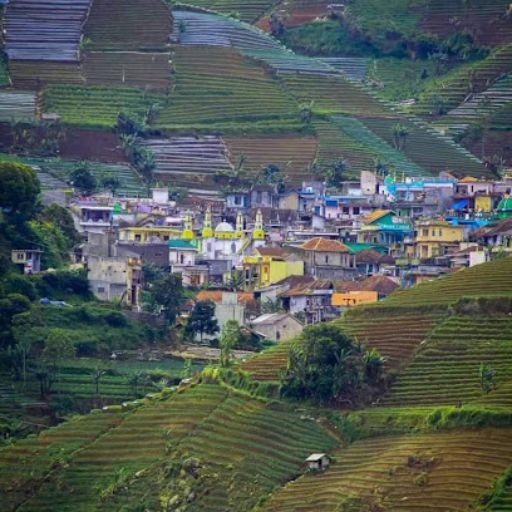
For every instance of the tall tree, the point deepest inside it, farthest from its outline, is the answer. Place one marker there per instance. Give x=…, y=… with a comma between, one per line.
x=202, y=320
x=229, y=338
x=169, y=294
x=19, y=191
x=83, y=179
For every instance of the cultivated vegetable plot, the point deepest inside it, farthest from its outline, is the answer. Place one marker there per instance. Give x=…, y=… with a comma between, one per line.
x=97, y=106
x=293, y=155
x=24, y=465
x=395, y=332
x=491, y=279
x=383, y=151
x=131, y=183
x=17, y=105
x=217, y=86
x=267, y=365
x=284, y=61
x=452, y=89
x=48, y=30
x=446, y=369
x=188, y=161
x=334, y=144
x=226, y=433
x=478, y=106
x=198, y=28
x=131, y=69
x=353, y=67
x=30, y=74
x=128, y=25
x=334, y=95
x=248, y=11
x=428, y=148
x=436, y=472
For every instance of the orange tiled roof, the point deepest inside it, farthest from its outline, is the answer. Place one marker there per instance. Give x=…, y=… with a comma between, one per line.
x=319, y=244
x=216, y=296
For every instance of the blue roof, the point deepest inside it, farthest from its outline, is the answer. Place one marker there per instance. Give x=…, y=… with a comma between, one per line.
x=460, y=204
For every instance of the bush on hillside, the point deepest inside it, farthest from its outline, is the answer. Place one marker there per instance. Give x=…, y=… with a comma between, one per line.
x=327, y=365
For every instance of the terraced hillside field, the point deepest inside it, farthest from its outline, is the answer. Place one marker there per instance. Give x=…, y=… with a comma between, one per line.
x=334, y=95
x=131, y=182
x=97, y=106
x=200, y=28
x=486, y=21
x=293, y=154
x=268, y=365
x=42, y=40
x=357, y=135
x=429, y=149
x=486, y=280
x=17, y=105
x=248, y=11
x=451, y=90
x=217, y=87
x=411, y=473
x=139, y=24
x=395, y=332
x=131, y=69
x=446, y=369
x=187, y=161
x=144, y=453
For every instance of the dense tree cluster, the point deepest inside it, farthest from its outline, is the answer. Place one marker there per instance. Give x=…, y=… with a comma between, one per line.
x=327, y=365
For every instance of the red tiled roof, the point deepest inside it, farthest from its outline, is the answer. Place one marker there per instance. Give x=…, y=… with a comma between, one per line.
x=319, y=244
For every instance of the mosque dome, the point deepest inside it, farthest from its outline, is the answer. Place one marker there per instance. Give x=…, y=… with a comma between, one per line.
x=224, y=227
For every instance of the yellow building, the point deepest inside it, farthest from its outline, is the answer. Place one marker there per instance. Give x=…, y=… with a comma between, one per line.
x=269, y=265
x=149, y=234
x=483, y=203
x=437, y=238
x=353, y=298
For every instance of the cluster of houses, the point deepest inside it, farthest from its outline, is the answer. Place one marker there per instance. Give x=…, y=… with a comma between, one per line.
x=278, y=261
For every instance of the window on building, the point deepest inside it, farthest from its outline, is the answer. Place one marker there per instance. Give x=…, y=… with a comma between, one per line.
x=137, y=238
x=233, y=248
x=327, y=259
x=424, y=232
x=346, y=210
x=209, y=246
x=101, y=289
x=356, y=210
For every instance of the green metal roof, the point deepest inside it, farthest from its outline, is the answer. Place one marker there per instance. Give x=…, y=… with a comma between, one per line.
x=182, y=244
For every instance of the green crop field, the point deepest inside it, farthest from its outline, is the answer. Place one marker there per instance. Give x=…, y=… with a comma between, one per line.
x=96, y=106
x=451, y=89
x=377, y=327
x=237, y=459
x=486, y=280
x=293, y=154
x=217, y=87
x=445, y=370
x=334, y=95
x=444, y=471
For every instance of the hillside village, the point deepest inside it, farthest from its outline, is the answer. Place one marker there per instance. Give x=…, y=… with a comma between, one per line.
x=305, y=252
x=255, y=256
